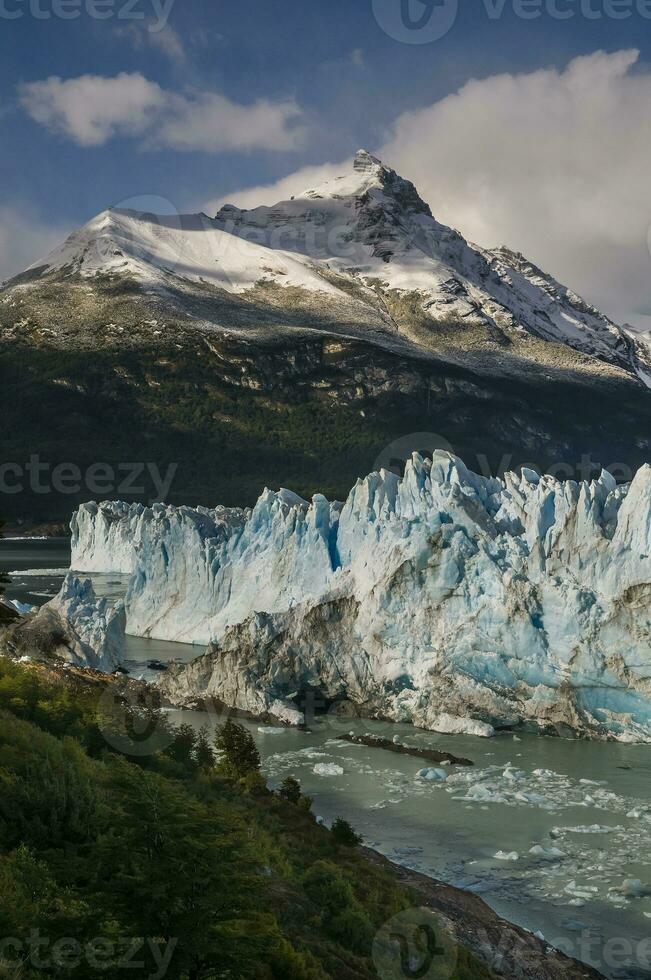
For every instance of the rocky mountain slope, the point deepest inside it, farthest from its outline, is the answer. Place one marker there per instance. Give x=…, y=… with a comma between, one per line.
x=292, y=343
x=515, y=602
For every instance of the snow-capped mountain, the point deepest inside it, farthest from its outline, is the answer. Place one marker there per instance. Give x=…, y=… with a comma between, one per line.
x=372, y=225
x=515, y=601
x=364, y=240
x=291, y=344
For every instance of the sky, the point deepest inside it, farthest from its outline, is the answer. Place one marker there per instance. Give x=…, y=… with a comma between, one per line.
x=523, y=122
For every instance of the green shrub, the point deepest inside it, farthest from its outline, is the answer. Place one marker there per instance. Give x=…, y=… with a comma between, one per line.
x=253, y=784
x=344, y=834
x=352, y=928
x=239, y=755
x=327, y=888
x=290, y=790
x=342, y=914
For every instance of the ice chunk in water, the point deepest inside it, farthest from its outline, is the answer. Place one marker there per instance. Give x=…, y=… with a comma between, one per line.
x=547, y=853
x=634, y=888
x=432, y=775
x=327, y=769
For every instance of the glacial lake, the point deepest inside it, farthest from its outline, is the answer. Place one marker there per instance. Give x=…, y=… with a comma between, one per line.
x=583, y=807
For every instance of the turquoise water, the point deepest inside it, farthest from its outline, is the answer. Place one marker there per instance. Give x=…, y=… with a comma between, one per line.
x=587, y=805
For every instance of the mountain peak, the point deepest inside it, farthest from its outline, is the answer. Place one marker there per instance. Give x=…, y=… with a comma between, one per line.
x=370, y=180
x=365, y=162
x=364, y=225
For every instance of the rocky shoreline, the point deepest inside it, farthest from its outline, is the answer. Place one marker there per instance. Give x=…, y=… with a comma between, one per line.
x=506, y=949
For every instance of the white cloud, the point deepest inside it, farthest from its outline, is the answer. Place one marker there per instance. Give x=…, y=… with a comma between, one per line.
x=166, y=41
x=92, y=109
x=210, y=122
x=552, y=163
x=280, y=190
x=24, y=239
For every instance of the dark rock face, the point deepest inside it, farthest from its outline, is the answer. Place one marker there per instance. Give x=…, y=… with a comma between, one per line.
x=313, y=414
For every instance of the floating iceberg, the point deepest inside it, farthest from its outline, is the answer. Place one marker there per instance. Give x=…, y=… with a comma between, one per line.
x=328, y=769
x=432, y=775
x=449, y=725
x=454, y=601
x=546, y=853
x=634, y=888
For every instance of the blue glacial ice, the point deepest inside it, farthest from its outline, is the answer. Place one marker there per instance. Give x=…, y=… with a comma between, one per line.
x=451, y=600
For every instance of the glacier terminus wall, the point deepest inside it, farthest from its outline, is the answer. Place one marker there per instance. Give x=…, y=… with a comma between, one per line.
x=433, y=597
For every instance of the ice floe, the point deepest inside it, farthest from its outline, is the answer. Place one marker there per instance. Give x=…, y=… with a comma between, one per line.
x=327, y=769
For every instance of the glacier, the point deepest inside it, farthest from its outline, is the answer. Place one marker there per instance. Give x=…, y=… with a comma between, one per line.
x=439, y=595
x=98, y=626
x=76, y=627
x=104, y=537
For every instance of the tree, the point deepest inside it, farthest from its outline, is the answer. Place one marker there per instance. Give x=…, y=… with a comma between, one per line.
x=182, y=872
x=290, y=789
x=239, y=755
x=203, y=753
x=183, y=746
x=32, y=903
x=343, y=833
